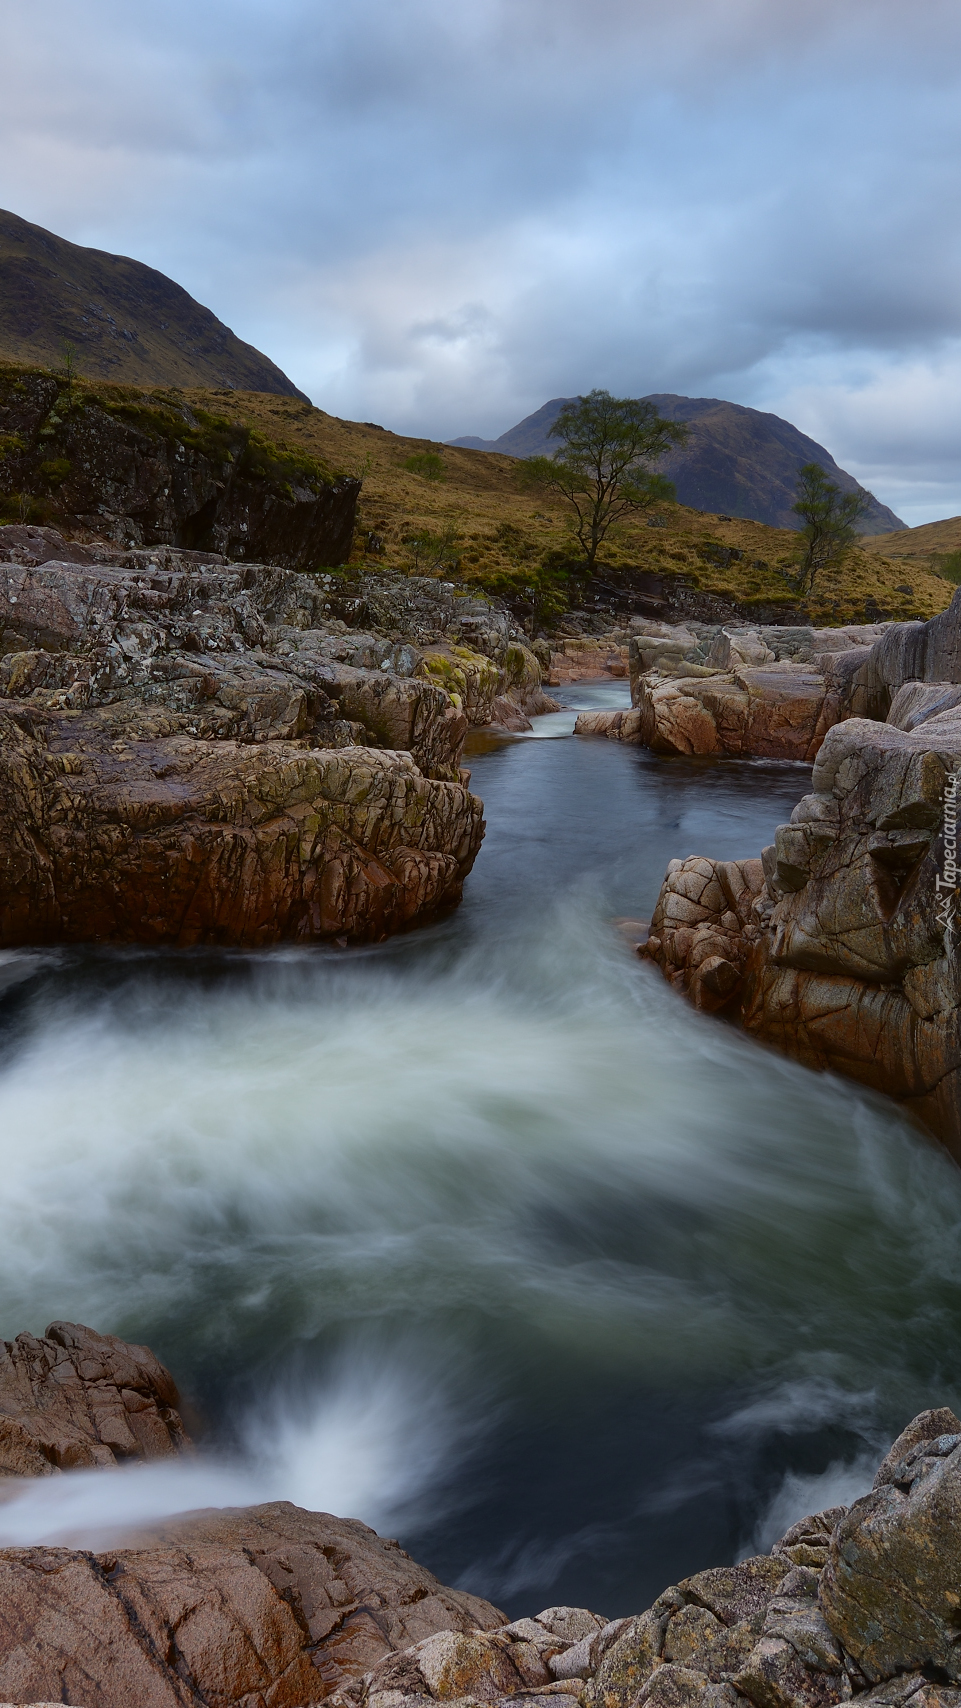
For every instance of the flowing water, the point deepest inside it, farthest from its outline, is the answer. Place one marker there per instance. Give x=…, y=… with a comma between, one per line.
x=482, y=1235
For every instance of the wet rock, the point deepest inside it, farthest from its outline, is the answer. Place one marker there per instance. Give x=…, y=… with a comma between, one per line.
x=272, y=1604
x=75, y=1398
x=775, y=1676
x=843, y=955
x=616, y=725
x=890, y=1587
x=630, y=1660
x=117, y=826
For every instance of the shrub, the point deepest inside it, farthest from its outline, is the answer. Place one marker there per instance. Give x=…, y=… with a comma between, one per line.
x=428, y=464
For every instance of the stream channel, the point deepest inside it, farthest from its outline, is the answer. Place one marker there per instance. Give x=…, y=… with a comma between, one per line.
x=482, y=1235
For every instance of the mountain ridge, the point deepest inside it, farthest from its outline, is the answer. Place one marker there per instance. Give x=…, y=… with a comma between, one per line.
x=738, y=461
x=127, y=322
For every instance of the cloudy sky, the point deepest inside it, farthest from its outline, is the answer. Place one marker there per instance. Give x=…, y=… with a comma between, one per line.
x=436, y=214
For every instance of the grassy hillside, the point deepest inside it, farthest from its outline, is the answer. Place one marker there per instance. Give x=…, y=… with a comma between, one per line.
x=427, y=508
x=739, y=461
x=934, y=548
x=463, y=514
x=126, y=322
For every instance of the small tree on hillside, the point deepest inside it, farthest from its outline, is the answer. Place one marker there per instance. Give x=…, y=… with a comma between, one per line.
x=829, y=521
x=602, y=463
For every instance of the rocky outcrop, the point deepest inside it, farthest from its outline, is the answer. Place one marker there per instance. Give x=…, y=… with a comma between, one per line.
x=187, y=756
x=271, y=1607
x=74, y=1398
x=736, y=691
x=583, y=658
x=113, y=828
x=774, y=711
x=840, y=945
x=145, y=469
x=909, y=653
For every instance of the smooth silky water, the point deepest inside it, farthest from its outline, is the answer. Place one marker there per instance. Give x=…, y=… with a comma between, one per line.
x=482, y=1235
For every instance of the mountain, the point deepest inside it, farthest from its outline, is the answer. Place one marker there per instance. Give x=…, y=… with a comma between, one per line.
x=126, y=321
x=737, y=461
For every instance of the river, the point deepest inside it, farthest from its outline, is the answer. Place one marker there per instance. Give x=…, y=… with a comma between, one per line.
x=482, y=1235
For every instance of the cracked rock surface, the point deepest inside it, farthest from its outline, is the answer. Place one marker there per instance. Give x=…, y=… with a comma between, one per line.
x=193, y=751
x=839, y=944
x=73, y=1398
x=275, y=1607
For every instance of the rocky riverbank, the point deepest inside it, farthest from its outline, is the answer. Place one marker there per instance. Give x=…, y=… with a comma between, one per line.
x=195, y=751
x=275, y=1607
x=839, y=944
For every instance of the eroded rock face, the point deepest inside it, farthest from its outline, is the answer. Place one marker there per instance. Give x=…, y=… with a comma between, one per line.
x=115, y=831
x=147, y=471
x=192, y=752
x=733, y=690
x=909, y=652
x=74, y=1398
x=839, y=946
x=274, y=1605
x=271, y=1605
x=890, y=1587
x=772, y=710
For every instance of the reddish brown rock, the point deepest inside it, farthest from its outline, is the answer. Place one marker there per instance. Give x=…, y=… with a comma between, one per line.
x=113, y=830
x=779, y=711
x=584, y=658
x=75, y=1398
x=271, y=1607
x=841, y=946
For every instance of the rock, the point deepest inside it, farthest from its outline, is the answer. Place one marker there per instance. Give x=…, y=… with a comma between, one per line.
x=890, y=1588
x=585, y=658
x=77, y=1398
x=927, y=1426
x=147, y=471
x=682, y=1687
x=695, y=1637
x=184, y=758
x=910, y=652
x=271, y=1604
x=914, y=702
x=839, y=947
x=630, y=1660
x=777, y=711
x=616, y=726
x=703, y=927
x=807, y=1542
x=736, y=1594
x=113, y=830
x=274, y=1605
x=775, y=1677
x=583, y=1658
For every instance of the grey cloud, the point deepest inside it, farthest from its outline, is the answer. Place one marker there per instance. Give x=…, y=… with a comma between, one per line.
x=438, y=216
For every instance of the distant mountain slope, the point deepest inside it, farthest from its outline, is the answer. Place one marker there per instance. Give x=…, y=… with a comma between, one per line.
x=127, y=322
x=737, y=461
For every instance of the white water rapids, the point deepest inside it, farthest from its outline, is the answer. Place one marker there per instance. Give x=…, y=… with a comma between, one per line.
x=483, y=1236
